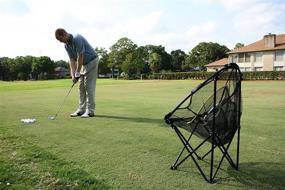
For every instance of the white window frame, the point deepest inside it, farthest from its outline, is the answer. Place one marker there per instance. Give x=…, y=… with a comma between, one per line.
x=241, y=57
x=258, y=55
x=258, y=68
x=279, y=56
x=247, y=57
x=278, y=68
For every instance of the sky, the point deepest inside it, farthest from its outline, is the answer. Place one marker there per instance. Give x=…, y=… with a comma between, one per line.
x=27, y=26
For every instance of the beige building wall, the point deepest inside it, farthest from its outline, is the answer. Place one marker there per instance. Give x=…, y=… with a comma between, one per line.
x=212, y=69
x=268, y=60
x=266, y=63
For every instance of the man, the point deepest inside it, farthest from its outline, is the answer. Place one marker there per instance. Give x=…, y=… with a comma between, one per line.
x=83, y=67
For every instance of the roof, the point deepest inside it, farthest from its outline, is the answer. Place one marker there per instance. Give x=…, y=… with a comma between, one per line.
x=259, y=45
x=220, y=62
x=61, y=69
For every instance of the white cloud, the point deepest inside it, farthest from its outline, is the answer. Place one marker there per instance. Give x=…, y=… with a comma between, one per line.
x=239, y=5
x=202, y=29
x=28, y=25
x=254, y=18
x=202, y=32
x=33, y=32
x=249, y=20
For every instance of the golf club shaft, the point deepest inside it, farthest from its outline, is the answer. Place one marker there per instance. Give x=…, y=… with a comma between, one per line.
x=70, y=91
x=63, y=101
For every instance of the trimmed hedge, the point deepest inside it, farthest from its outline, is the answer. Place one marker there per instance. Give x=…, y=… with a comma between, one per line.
x=201, y=75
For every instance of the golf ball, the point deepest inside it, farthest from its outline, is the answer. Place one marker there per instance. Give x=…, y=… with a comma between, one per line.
x=27, y=121
x=51, y=117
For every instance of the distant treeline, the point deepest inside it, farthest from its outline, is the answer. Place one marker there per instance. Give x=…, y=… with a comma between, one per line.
x=28, y=67
x=124, y=57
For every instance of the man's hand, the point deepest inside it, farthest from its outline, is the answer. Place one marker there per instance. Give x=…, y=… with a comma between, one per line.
x=76, y=77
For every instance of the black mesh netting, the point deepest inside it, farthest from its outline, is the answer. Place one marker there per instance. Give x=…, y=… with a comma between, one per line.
x=196, y=112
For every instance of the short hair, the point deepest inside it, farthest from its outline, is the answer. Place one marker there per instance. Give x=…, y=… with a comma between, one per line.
x=60, y=32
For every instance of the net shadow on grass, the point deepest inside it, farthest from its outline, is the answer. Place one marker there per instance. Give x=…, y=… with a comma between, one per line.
x=134, y=119
x=260, y=175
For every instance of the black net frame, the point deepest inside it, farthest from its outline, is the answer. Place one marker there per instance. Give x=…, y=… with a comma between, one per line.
x=212, y=111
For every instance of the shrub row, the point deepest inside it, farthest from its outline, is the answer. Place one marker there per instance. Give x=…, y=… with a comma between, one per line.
x=264, y=75
x=201, y=75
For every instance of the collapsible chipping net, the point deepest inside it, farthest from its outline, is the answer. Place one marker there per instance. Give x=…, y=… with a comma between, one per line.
x=212, y=111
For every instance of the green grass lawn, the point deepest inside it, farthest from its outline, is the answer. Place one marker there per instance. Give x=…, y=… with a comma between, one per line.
x=127, y=145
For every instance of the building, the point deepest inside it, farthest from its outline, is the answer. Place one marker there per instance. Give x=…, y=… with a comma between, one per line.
x=61, y=72
x=267, y=54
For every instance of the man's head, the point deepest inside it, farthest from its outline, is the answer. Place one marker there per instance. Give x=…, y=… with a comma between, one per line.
x=61, y=35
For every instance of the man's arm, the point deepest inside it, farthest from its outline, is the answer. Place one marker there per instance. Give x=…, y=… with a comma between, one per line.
x=79, y=62
x=75, y=68
x=72, y=66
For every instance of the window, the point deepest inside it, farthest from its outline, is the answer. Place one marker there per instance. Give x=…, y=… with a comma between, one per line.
x=257, y=68
x=234, y=58
x=258, y=57
x=279, y=55
x=245, y=69
x=241, y=57
x=278, y=68
x=247, y=57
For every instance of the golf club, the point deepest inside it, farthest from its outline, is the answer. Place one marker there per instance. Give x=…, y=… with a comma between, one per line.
x=54, y=117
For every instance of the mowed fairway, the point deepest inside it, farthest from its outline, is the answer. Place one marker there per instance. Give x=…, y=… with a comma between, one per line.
x=127, y=145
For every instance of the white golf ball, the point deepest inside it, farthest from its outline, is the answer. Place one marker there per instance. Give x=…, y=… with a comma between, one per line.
x=27, y=121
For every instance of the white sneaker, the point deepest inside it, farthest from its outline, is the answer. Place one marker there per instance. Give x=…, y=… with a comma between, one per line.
x=77, y=113
x=87, y=114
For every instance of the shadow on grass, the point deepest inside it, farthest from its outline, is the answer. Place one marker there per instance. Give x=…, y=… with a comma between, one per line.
x=252, y=175
x=260, y=175
x=134, y=119
x=45, y=169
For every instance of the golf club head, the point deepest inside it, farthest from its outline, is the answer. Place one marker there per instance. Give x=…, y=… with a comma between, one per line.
x=59, y=108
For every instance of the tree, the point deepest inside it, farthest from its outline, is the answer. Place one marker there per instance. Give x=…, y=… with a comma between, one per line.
x=155, y=61
x=134, y=63
x=41, y=66
x=143, y=56
x=238, y=45
x=178, y=59
x=165, y=62
x=12, y=68
x=5, y=68
x=103, y=61
x=119, y=52
x=189, y=63
x=205, y=53
x=23, y=67
x=61, y=63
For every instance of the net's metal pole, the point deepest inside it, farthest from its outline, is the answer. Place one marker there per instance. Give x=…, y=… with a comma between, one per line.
x=213, y=132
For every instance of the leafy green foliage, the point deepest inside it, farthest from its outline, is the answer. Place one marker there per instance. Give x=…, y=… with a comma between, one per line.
x=205, y=53
x=119, y=51
x=123, y=56
x=42, y=65
x=155, y=62
x=103, y=61
x=178, y=59
x=238, y=45
x=256, y=75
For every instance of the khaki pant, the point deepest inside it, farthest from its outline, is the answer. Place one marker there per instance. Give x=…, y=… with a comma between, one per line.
x=87, y=85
